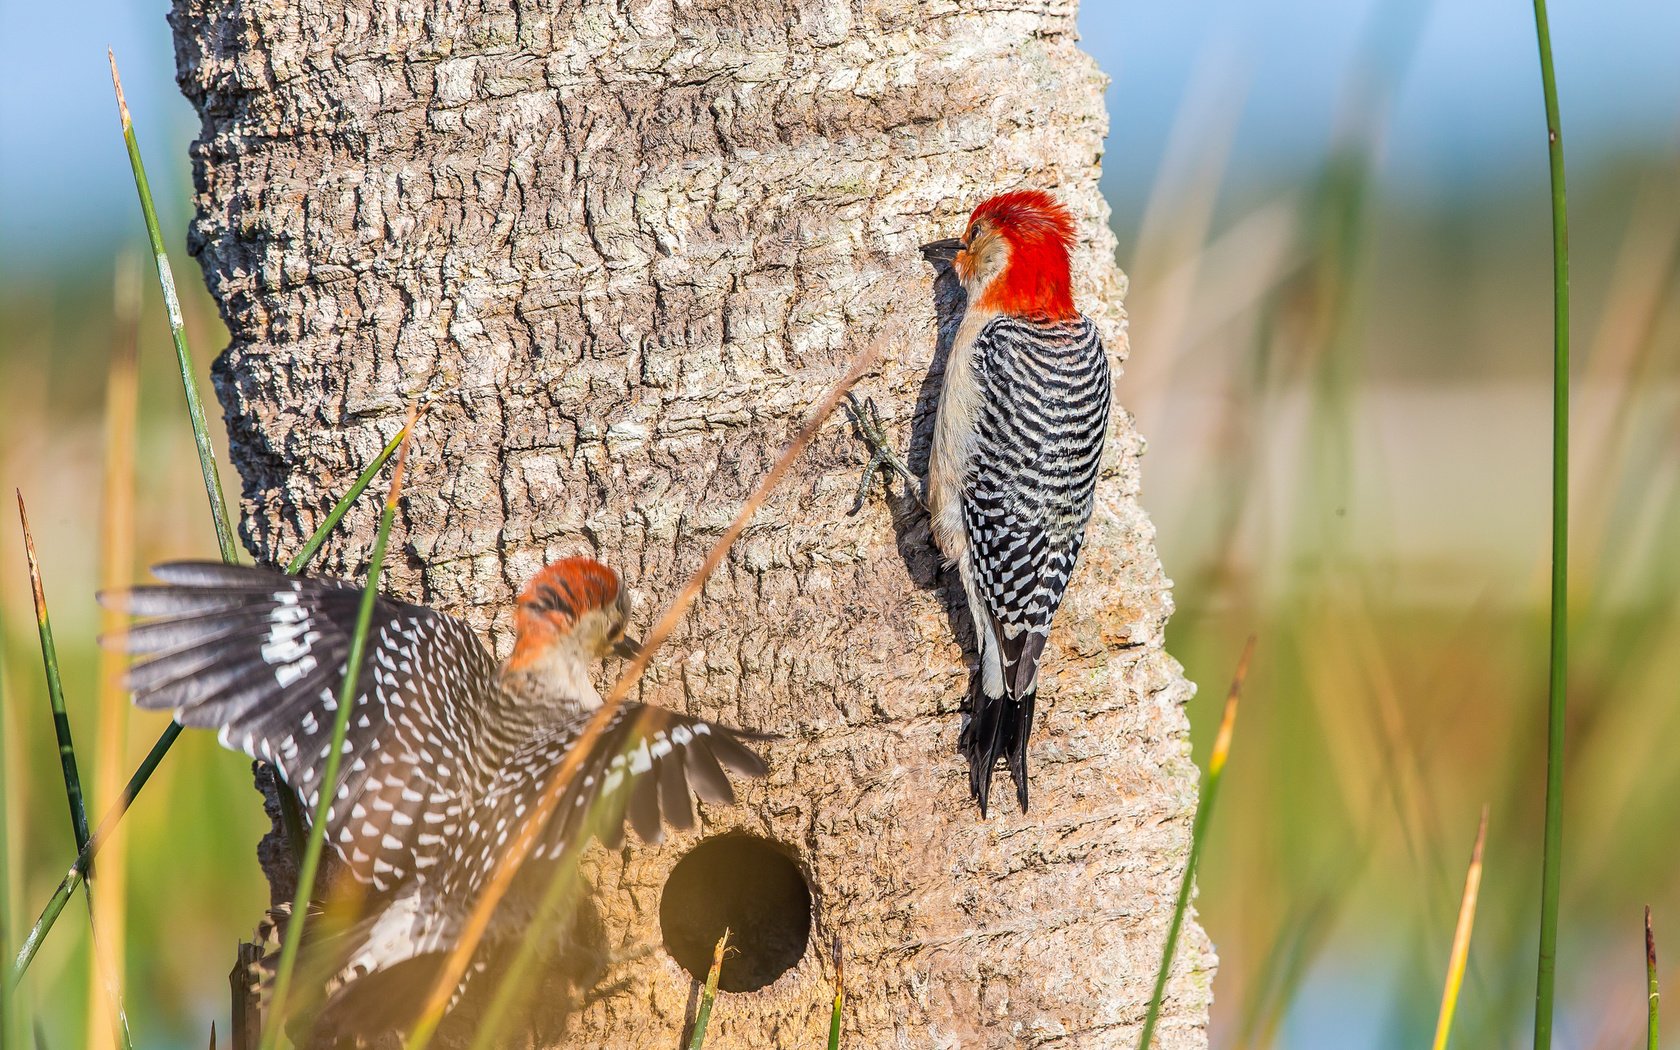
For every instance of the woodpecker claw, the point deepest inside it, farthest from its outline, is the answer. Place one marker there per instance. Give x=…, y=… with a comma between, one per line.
x=873, y=433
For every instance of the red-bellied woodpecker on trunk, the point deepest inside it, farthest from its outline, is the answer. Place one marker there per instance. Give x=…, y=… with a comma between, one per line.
x=445, y=751
x=1017, y=443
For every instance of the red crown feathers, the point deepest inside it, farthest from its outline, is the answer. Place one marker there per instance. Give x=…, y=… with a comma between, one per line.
x=1038, y=281
x=555, y=600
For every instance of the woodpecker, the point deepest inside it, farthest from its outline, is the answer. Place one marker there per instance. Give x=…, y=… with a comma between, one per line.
x=1017, y=442
x=446, y=750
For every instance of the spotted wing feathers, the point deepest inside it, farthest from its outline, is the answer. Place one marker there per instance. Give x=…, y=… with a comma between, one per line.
x=640, y=771
x=261, y=657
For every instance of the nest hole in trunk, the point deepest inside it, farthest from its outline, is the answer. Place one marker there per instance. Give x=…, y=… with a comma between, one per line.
x=752, y=887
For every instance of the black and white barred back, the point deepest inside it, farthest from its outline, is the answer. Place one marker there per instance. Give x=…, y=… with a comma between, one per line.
x=1027, y=498
x=440, y=763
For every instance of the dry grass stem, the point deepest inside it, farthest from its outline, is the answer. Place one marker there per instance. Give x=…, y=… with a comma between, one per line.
x=116, y=564
x=1459, y=957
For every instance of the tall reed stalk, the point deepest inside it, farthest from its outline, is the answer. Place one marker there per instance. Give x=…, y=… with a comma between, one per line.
x=116, y=565
x=708, y=994
x=177, y=330
x=9, y=1020
x=183, y=362
x=1198, y=838
x=55, y=687
x=1557, y=682
x=837, y=1013
x=1459, y=957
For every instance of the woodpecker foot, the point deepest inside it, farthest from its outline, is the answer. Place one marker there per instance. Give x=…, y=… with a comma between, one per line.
x=870, y=430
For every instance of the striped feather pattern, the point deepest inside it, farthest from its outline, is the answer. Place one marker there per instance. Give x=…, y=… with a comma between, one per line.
x=1027, y=497
x=1031, y=481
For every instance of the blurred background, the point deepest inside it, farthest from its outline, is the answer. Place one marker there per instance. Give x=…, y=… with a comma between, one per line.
x=1334, y=217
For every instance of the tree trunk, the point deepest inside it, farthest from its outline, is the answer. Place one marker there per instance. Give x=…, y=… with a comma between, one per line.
x=624, y=246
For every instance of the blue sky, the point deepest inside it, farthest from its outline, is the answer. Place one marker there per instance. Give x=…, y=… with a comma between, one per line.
x=1466, y=111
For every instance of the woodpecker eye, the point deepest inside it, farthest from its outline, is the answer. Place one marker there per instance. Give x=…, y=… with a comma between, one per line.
x=973, y=232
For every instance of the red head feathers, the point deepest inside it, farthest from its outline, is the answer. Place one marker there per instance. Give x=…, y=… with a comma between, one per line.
x=1037, y=231
x=559, y=598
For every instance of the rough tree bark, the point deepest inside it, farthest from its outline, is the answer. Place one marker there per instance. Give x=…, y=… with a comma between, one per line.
x=625, y=244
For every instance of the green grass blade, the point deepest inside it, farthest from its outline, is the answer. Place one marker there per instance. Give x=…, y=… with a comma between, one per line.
x=66, y=748
x=1652, y=992
x=835, y=1016
x=84, y=860
x=291, y=817
x=1551, y=876
x=1459, y=957
x=1198, y=837
x=335, y=755
x=166, y=740
x=307, y=552
x=177, y=332
x=708, y=994
x=49, y=915
x=55, y=689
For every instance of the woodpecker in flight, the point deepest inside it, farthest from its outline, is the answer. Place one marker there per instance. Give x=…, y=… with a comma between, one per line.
x=446, y=750
x=1016, y=446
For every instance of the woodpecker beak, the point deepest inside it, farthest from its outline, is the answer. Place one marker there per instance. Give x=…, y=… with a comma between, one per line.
x=627, y=647
x=944, y=251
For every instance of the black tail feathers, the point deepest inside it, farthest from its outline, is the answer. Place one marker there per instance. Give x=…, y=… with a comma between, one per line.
x=998, y=727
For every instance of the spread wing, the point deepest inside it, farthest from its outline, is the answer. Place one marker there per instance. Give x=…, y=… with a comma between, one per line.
x=261, y=657
x=641, y=770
